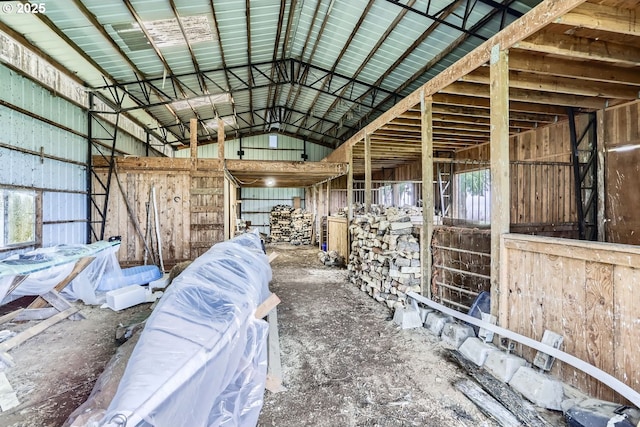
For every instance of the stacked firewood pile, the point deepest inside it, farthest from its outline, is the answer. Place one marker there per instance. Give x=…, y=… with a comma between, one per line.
x=301, y=227
x=290, y=225
x=385, y=256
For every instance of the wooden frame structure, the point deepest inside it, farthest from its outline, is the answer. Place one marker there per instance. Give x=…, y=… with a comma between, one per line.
x=562, y=56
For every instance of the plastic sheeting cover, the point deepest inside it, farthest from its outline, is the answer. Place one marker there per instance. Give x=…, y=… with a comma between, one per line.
x=46, y=267
x=201, y=358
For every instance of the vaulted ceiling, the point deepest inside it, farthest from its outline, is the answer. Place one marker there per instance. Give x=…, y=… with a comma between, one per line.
x=319, y=70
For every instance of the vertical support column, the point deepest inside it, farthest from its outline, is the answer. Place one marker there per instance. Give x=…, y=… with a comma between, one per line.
x=320, y=210
x=600, y=171
x=350, y=188
x=220, y=139
x=367, y=172
x=328, y=197
x=193, y=138
x=89, y=172
x=428, y=210
x=499, y=152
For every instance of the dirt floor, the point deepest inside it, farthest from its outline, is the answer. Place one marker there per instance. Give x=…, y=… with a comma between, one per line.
x=344, y=361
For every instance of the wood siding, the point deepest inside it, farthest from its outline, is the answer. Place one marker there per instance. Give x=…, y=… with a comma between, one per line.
x=190, y=204
x=585, y=291
x=622, y=201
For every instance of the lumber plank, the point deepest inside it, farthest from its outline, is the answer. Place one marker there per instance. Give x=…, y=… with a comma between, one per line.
x=273, y=256
x=524, y=411
x=274, y=366
x=10, y=316
x=8, y=398
x=81, y=264
x=263, y=309
x=35, y=330
x=487, y=404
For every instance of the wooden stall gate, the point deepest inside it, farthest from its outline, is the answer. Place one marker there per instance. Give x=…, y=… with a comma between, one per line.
x=585, y=291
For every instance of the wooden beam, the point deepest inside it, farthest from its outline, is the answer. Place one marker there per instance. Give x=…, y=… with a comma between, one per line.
x=601, y=194
x=350, y=190
x=555, y=84
x=520, y=60
x=35, y=330
x=581, y=48
x=81, y=264
x=300, y=168
x=530, y=96
x=428, y=210
x=367, y=173
x=220, y=139
x=193, y=137
x=603, y=18
x=499, y=152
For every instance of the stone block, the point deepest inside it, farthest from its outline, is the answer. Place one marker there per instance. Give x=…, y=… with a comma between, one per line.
x=541, y=389
x=407, y=318
x=503, y=365
x=435, y=322
x=424, y=312
x=476, y=350
x=454, y=334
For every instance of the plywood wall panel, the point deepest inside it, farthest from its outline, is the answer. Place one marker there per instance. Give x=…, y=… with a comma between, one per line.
x=582, y=290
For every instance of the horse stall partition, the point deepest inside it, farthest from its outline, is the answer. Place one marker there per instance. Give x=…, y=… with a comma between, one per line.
x=581, y=290
x=461, y=265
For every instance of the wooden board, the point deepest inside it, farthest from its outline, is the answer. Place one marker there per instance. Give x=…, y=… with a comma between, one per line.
x=583, y=291
x=338, y=235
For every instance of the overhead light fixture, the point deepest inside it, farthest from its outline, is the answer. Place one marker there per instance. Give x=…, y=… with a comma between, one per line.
x=270, y=182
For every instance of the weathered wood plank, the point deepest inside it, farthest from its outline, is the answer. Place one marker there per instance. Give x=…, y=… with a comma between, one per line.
x=499, y=147
x=487, y=404
x=35, y=330
x=524, y=411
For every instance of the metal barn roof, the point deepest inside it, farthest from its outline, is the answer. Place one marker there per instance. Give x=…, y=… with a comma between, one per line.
x=318, y=70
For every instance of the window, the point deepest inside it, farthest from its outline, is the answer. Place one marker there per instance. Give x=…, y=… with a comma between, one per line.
x=18, y=224
x=473, y=196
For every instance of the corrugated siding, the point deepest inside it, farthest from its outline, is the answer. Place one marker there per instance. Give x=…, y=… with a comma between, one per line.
x=257, y=148
x=258, y=202
x=62, y=180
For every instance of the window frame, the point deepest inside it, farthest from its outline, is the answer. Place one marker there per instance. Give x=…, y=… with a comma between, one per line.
x=37, y=242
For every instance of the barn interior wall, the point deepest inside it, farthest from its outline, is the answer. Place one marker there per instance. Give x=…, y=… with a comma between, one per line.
x=189, y=199
x=621, y=151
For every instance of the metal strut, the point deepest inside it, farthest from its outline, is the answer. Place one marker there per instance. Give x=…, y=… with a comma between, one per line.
x=99, y=197
x=583, y=159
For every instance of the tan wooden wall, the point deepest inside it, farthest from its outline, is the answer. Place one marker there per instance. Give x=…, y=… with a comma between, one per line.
x=621, y=128
x=585, y=291
x=542, y=184
x=190, y=203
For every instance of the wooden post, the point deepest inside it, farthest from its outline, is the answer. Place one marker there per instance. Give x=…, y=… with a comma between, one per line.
x=428, y=210
x=328, y=197
x=499, y=152
x=350, y=188
x=367, y=173
x=600, y=171
x=193, y=138
x=221, y=139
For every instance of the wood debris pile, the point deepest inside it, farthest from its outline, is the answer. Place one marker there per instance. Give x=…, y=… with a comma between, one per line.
x=290, y=225
x=385, y=256
x=331, y=259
